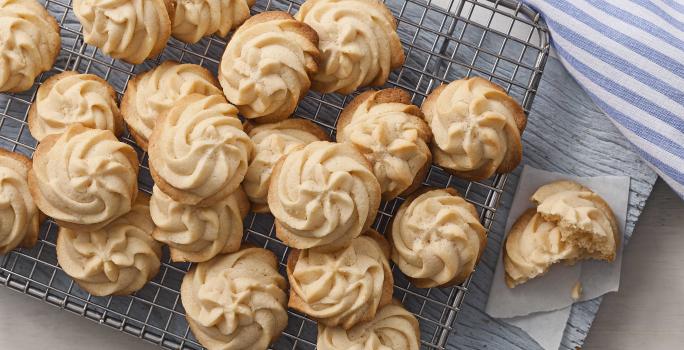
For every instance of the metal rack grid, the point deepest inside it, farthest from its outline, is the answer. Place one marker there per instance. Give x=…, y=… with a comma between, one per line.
x=444, y=40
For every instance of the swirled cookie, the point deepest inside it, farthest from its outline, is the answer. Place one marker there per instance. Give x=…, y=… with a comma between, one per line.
x=477, y=128
x=198, y=150
x=392, y=134
x=117, y=259
x=392, y=328
x=271, y=142
x=236, y=301
x=437, y=238
x=532, y=246
x=323, y=194
x=194, y=19
x=267, y=65
x=194, y=233
x=341, y=287
x=29, y=43
x=69, y=98
x=358, y=42
x=19, y=216
x=131, y=30
x=84, y=178
x=583, y=217
x=151, y=94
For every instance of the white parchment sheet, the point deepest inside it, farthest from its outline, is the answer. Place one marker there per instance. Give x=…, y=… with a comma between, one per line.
x=541, y=306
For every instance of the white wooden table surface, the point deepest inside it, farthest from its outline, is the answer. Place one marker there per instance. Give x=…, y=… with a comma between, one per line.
x=647, y=312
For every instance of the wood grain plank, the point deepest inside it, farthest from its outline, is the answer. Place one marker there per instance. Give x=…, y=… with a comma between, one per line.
x=647, y=312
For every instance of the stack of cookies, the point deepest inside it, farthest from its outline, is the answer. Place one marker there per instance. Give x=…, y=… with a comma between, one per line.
x=210, y=168
x=570, y=223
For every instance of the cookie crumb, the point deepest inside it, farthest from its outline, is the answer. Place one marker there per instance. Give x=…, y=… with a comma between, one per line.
x=576, y=291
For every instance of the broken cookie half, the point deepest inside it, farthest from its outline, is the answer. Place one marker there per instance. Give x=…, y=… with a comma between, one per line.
x=570, y=223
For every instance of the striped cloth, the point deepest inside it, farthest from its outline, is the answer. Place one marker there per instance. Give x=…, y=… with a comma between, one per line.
x=629, y=57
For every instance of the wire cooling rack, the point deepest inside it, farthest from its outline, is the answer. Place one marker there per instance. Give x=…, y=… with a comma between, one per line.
x=444, y=40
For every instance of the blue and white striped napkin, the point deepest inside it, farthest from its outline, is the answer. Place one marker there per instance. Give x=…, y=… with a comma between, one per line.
x=629, y=57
